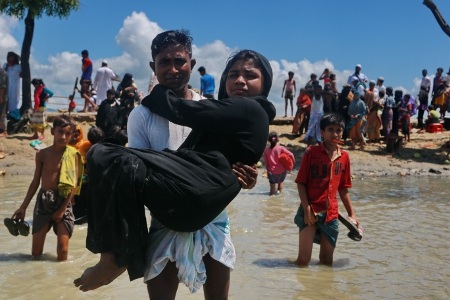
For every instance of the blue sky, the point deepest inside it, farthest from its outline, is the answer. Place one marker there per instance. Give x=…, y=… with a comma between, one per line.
x=393, y=39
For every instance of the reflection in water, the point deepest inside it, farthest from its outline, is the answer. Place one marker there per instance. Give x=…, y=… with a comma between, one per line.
x=403, y=254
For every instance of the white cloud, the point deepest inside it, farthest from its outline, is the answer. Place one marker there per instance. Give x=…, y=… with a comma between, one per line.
x=7, y=40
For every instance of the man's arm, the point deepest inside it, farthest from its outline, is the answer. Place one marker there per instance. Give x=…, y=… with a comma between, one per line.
x=345, y=198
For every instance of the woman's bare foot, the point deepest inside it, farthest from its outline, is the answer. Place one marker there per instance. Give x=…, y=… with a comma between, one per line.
x=103, y=273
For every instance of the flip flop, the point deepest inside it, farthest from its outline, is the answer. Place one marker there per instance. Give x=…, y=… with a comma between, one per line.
x=34, y=143
x=23, y=227
x=11, y=225
x=356, y=232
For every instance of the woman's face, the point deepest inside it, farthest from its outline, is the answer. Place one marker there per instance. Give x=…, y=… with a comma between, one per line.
x=244, y=79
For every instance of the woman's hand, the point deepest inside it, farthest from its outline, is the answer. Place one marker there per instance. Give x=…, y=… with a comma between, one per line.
x=246, y=175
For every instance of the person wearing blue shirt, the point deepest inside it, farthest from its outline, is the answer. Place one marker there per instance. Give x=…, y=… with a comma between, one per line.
x=206, y=84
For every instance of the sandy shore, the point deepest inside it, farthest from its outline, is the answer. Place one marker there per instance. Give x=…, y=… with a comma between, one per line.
x=424, y=155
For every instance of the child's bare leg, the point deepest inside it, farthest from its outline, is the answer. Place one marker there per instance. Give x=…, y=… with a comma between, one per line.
x=42, y=132
x=35, y=135
x=326, y=251
x=87, y=101
x=273, y=190
x=62, y=248
x=103, y=273
x=280, y=187
x=37, y=245
x=353, y=143
x=305, y=245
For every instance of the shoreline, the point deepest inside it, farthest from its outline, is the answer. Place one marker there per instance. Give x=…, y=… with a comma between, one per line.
x=424, y=155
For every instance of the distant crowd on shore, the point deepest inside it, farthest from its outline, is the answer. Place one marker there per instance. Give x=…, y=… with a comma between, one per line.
x=373, y=112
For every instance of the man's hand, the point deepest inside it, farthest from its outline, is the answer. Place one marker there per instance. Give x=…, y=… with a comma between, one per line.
x=246, y=175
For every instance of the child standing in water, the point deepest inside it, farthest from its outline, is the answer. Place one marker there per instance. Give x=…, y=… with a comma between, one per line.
x=57, y=173
x=324, y=172
x=276, y=171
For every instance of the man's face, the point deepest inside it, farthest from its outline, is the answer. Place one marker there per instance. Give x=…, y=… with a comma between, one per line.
x=173, y=67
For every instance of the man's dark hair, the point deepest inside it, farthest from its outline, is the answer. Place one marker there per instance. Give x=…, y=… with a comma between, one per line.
x=64, y=121
x=332, y=119
x=85, y=52
x=201, y=69
x=172, y=38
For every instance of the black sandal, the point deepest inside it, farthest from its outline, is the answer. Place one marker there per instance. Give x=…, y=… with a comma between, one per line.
x=12, y=226
x=23, y=227
x=356, y=232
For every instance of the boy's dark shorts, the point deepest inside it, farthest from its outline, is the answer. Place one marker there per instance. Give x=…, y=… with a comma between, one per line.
x=330, y=229
x=289, y=95
x=276, y=178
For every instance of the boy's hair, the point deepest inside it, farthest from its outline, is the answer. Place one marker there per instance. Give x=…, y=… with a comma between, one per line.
x=291, y=73
x=64, y=121
x=332, y=119
x=201, y=69
x=95, y=135
x=172, y=38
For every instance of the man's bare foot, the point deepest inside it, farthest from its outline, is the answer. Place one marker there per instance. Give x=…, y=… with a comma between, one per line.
x=103, y=273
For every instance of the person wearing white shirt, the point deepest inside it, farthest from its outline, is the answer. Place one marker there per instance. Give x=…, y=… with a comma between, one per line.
x=425, y=83
x=447, y=76
x=362, y=78
x=103, y=81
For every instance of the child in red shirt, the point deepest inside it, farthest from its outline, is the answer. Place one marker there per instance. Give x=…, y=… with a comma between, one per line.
x=324, y=172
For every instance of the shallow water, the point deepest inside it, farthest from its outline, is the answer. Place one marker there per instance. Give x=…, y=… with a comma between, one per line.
x=404, y=253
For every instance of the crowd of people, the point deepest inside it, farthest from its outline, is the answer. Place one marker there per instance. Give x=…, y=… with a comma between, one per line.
x=372, y=112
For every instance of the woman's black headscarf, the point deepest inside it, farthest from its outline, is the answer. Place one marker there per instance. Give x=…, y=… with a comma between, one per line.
x=127, y=80
x=261, y=62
